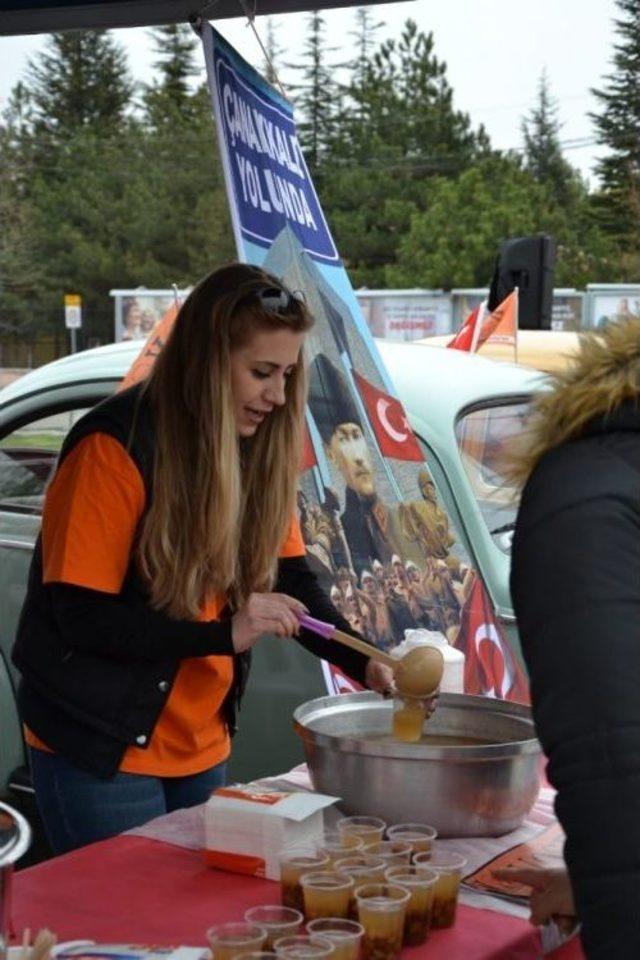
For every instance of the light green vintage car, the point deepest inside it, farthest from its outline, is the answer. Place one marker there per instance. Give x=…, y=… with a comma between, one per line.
x=464, y=409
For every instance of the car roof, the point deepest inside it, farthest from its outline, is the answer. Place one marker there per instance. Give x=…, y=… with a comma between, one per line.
x=454, y=379
x=110, y=362
x=451, y=380
x=547, y=350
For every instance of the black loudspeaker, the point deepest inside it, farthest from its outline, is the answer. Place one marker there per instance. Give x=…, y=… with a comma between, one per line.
x=527, y=263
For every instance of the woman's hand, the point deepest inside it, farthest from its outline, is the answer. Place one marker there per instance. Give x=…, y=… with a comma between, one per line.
x=551, y=894
x=265, y=613
x=379, y=677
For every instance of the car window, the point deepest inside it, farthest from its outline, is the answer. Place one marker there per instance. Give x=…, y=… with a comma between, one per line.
x=27, y=459
x=485, y=437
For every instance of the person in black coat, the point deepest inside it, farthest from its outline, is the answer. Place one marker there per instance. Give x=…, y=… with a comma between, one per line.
x=575, y=583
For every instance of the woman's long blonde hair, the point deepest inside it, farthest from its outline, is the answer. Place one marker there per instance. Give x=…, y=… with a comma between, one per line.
x=221, y=505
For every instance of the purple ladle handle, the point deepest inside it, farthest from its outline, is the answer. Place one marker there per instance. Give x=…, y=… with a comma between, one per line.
x=323, y=629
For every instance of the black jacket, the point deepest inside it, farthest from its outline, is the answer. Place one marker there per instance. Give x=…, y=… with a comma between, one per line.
x=97, y=669
x=575, y=583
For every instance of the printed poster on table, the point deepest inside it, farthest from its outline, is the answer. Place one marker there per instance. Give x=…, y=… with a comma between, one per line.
x=376, y=534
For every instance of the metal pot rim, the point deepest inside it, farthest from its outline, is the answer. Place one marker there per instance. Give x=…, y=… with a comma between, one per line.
x=408, y=751
x=19, y=842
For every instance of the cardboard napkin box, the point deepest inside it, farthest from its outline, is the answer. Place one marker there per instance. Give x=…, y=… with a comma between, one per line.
x=246, y=827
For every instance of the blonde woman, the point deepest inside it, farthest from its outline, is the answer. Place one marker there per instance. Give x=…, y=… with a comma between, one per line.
x=575, y=581
x=169, y=545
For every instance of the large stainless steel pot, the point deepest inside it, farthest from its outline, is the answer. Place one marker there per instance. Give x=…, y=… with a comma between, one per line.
x=479, y=790
x=15, y=836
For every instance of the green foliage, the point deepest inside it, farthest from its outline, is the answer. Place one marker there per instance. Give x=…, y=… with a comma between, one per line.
x=105, y=185
x=169, y=97
x=617, y=204
x=316, y=94
x=398, y=130
x=455, y=241
x=81, y=80
x=542, y=150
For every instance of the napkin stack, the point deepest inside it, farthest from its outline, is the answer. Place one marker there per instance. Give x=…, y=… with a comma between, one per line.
x=247, y=827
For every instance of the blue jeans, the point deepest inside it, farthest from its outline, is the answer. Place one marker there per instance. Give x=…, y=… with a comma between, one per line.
x=78, y=808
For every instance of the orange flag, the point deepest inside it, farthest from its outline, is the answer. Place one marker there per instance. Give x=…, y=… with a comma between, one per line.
x=154, y=343
x=501, y=325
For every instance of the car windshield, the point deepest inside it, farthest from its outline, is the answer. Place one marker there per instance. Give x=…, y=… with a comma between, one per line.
x=485, y=437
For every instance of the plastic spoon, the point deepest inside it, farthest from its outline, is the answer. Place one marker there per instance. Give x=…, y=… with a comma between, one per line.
x=417, y=674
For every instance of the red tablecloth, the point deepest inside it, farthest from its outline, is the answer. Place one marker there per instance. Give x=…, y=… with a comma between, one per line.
x=138, y=890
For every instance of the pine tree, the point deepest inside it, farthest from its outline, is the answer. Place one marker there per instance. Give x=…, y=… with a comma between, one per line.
x=618, y=128
x=542, y=150
x=274, y=52
x=364, y=36
x=398, y=129
x=79, y=81
x=170, y=96
x=316, y=96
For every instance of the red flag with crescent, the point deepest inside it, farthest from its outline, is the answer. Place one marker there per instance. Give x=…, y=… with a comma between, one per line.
x=491, y=668
x=467, y=335
x=389, y=422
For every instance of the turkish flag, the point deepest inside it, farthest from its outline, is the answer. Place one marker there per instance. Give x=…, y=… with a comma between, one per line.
x=154, y=343
x=490, y=669
x=466, y=336
x=389, y=422
x=337, y=681
x=308, y=458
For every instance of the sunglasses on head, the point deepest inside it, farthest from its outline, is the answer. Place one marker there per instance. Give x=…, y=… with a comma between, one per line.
x=278, y=300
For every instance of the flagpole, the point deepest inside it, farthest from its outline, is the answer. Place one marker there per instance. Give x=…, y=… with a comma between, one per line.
x=515, y=337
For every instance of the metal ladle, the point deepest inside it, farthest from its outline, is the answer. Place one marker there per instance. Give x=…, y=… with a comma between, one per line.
x=417, y=674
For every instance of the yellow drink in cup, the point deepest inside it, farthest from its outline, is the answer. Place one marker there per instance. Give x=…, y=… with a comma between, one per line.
x=304, y=947
x=276, y=921
x=334, y=847
x=420, y=884
x=393, y=852
x=326, y=894
x=448, y=867
x=367, y=829
x=420, y=836
x=293, y=863
x=230, y=940
x=362, y=869
x=345, y=936
x=381, y=911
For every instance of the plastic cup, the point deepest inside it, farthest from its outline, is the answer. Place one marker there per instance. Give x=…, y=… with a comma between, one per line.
x=362, y=869
x=334, y=847
x=293, y=863
x=420, y=835
x=304, y=947
x=259, y=955
x=276, y=920
x=367, y=829
x=421, y=884
x=409, y=714
x=381, y=911
x=393, y=852
x=326, y=894
x=449, y=868
x=345, y=936
x=230, y=940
